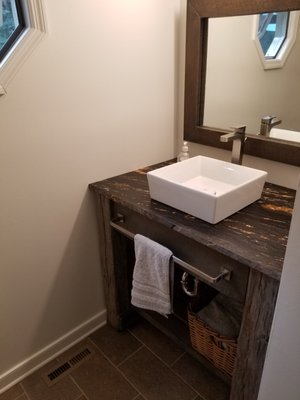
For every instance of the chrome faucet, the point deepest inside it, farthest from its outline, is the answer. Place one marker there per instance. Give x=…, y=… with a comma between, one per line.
x=266, y=124
x=238, y=136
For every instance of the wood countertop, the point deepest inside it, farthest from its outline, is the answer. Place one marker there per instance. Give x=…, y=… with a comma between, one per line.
x=255, y=236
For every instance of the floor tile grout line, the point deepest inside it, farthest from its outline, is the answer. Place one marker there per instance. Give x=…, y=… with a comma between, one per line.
x=178, y=359
x=201, y=397
x=127, y=358
x=24, y=390
x=120, y=371
x=22, y=394
x=153, y=352
x=130, y=356
x=172, y=364
x=78, y=386
x=138, y=395
x=71, y=378
x=116, y=367
x=169, y=367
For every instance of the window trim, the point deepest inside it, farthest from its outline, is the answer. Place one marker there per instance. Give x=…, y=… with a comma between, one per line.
x=33, y=33
x=281, y=57
x=17, y=32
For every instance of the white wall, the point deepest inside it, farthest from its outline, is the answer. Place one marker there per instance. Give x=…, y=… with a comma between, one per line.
x=96, y=98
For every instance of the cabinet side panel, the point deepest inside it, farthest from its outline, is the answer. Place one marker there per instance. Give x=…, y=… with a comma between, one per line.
x=253, y=340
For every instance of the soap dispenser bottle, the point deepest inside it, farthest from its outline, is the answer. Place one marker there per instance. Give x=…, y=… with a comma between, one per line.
x=184, y=154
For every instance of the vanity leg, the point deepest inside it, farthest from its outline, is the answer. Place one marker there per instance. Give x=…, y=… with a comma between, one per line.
x=253, y=340
x=114, y=260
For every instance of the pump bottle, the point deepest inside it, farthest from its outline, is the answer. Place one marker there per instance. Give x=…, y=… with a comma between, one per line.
x=184, y=153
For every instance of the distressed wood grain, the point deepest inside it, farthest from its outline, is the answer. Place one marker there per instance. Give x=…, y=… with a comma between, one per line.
x=255, y=236
x=254, y=336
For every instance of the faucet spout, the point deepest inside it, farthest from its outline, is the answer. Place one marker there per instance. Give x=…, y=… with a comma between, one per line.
x=238, y=137
x=267, y=123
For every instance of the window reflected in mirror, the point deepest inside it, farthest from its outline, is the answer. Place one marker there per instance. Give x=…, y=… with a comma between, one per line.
x=238, y=89
x=274, y=36
x=227, y=83
x=272, y=32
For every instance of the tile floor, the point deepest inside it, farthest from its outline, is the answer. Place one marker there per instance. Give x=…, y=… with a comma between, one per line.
x=138, y=364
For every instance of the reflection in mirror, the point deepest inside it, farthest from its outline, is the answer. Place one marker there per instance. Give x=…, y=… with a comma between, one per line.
x=272, y=32
x=238, y=90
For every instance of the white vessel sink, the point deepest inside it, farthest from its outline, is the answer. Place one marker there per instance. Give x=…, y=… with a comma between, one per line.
x=206, y=188
x=285, y=134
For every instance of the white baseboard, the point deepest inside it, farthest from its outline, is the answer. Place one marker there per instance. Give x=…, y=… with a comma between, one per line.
x=40, y=358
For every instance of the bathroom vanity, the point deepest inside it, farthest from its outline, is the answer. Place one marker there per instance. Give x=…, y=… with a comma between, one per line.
x=250, y=244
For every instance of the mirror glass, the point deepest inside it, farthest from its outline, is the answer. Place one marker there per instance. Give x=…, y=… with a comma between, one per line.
x=238, y=90
x=272, y=31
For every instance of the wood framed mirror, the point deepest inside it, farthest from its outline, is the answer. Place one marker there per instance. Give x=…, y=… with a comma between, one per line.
x=198, y=14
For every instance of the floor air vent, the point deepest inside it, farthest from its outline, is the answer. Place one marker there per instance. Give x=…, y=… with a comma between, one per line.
x=80, y=356
x=59, y=371
x=62, y=369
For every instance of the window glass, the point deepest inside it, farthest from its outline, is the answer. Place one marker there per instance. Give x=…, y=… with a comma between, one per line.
x=11, y=24
x=272, y=32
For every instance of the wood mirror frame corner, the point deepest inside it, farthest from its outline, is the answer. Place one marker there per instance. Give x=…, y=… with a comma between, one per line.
x=198, y=12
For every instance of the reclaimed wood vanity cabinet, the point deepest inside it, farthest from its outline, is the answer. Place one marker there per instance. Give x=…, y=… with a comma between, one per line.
x=250, y=243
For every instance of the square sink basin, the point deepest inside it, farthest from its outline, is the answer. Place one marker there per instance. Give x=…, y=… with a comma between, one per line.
x=285, y=134
x=206, y=188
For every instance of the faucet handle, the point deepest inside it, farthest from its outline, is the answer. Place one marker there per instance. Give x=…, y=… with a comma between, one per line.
x=239, y=132
x=267, y=119
x=239, y=128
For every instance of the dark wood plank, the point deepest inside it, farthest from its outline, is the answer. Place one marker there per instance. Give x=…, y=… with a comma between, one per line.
x=255, y=236
x=116, y=267
x=195, y=65
x=107, y=259
x=224, y=8
x=254, y=335
x=114, y=260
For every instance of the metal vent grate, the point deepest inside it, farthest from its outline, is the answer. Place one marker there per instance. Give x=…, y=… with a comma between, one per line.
x=60, y=371
x=79, y=357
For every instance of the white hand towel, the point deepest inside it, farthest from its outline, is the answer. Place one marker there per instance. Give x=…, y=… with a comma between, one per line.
x=151, y=276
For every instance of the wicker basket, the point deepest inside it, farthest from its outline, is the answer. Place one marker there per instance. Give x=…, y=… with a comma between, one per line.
x=219, y=350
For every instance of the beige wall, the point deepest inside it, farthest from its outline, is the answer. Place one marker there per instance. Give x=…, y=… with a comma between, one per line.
x=99, y=96
x=278, y=173
x=239, y=90
x=96, y=98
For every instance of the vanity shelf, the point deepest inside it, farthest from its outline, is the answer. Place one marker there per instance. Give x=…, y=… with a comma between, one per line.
x=251, y=243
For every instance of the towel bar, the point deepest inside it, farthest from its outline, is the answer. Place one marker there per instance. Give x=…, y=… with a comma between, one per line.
x=224, y=273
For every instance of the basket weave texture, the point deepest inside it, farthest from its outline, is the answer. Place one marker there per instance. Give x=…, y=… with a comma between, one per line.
x=219, y=350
